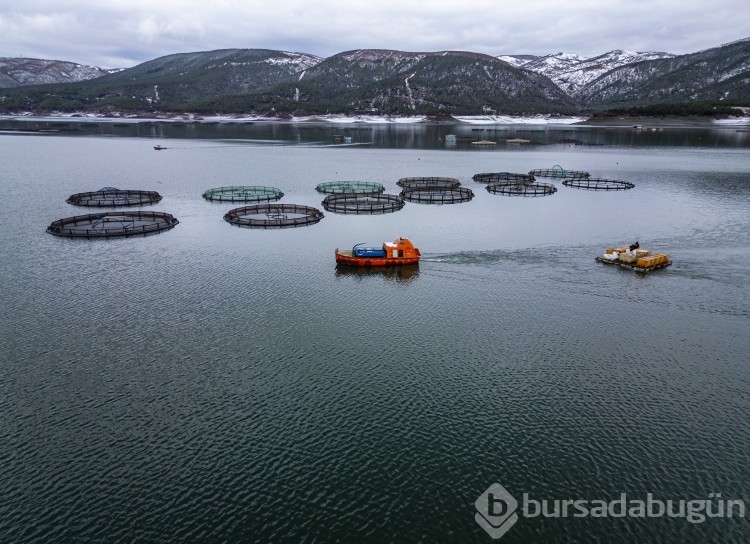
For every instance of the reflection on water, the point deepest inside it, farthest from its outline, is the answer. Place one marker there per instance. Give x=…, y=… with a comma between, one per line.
x=401, y=274
x=395, y=135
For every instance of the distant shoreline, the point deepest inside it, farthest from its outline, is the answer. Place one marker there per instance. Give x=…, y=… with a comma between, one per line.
x=666, y=121
x=337, y=119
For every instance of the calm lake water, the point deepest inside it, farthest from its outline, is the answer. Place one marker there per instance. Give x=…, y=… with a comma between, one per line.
x=218, y=384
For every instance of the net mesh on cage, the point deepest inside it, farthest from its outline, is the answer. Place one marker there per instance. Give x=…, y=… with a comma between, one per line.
x=558, y=171
x=598, y=184
x=243, y=193
x=437, y=195
x=522, y=189
x=497, y=177
x=273, y=216
x=111, y=224
x=110, y=197
x=357, y=187
x=363, y=204
x=428, y=182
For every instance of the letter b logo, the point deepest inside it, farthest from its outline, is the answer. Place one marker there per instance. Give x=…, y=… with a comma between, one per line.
x=496, y=511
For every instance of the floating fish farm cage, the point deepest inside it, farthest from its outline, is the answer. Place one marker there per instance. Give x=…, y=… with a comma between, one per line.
x=521, y=189
x=356, y=187
x=598, y=184
x=428, y=183
x=437, y=195
x=497, y=177
x=348, y=203
x=243, y=193
x=110, y=197
x=558, y=171
x=111, y=224
x=273, y=216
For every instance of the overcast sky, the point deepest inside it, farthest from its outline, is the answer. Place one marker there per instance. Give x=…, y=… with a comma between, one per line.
x=123, y=33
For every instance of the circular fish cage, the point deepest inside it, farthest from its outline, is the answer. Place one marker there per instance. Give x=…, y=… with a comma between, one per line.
x=273, y=216
x=356, y=187
x=243, y=193
x=110, y=197
x=437, y=195
x=558, y=171
x=110, y=224
x=428, y=183
x=522, y=189
x=598, y=184
x=497, y=177
x=348, y=203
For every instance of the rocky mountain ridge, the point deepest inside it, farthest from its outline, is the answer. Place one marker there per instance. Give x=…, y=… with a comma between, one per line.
x=572, y=72
x=16, y=72
x=387, y=82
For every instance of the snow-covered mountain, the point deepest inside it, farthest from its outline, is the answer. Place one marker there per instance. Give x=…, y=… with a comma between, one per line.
x=394, y=82
x=15, y=72
x=572, y=72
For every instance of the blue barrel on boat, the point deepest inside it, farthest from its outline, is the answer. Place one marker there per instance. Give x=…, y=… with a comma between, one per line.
x=368, y=252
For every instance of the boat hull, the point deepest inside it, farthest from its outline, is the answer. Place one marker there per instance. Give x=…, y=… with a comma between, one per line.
x=351, y=260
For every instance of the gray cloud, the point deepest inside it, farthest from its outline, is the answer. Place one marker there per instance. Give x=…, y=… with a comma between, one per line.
x=122, y=33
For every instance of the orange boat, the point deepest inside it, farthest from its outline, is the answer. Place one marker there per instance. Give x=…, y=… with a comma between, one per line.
x=400, y=251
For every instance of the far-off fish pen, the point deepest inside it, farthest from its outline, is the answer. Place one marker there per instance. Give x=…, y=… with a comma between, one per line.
x=522, y=189
x=363, y=204
x=598, y=184
x=558, y=171
x=111, y=224
x=110, y=197
x=357, y=187
x=243, y=193
x=273, y=216
x=428, y=182
x=437, y=195
x=496, y=177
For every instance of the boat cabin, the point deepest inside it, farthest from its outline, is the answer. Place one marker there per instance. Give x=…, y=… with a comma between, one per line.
x=400, y=247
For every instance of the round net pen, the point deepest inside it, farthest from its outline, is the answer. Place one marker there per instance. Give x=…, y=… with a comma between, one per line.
x=428, y=183
x=273, y=216
x=363, y=204
x=111, y=224
x=598, y=184
x=522, y=189
x=110, y=197
x=497, y=177
x=437, y=195
x=243, y=193
x=558, y=171
x=355, y=187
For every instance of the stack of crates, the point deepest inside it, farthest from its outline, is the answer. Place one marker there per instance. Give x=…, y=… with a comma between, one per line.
x=650, y=261
x=628, y=257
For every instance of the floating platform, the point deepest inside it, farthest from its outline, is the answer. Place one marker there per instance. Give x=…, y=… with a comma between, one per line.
x=273, y=216
x=243, y=193
x=111, y=224
x=110, y=197
x=634, y=265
